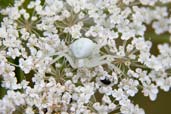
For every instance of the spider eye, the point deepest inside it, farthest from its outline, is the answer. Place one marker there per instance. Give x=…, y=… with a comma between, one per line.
x=105, y=81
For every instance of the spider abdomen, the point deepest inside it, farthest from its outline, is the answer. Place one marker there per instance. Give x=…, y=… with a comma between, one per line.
x=82, y=48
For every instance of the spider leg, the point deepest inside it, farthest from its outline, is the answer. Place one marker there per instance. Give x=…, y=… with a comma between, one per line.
x=97, y=63
x=107, y=56
x=116, y=69
x=69, y=59
x=56, y=59
x=58, y=53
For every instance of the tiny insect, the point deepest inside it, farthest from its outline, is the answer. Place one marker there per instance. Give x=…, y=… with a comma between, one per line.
x=105, y=80
x=71, y=100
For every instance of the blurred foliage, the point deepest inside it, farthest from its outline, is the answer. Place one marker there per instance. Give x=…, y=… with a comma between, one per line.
x=5, y=3
x=160, y=106
x=156, y=39
x=2, y=90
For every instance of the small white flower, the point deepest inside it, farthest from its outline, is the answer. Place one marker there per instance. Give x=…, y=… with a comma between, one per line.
x=3, y=33
x=26, y=65
x=29, y=110
x=161, y=26
x=129, y=108
x=74, y=30
x=13, y=52
x=151, y=91
x=106, y=99
x=130, y=86
x=147, y=2
x=119, y=94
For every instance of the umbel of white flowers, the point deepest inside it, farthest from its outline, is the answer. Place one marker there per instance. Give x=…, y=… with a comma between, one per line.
x=68, y=52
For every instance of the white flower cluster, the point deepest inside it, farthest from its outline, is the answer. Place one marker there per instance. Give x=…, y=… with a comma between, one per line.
x=82, y=56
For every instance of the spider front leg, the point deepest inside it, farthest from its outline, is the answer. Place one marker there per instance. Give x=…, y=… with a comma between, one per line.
x=99, y=61
x=67, y=56
x=111, y=57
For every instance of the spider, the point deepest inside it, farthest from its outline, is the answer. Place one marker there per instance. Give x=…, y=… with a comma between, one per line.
x=83, y=53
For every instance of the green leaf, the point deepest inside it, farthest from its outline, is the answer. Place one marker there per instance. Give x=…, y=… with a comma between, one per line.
x=3, y=91
x=5, y=3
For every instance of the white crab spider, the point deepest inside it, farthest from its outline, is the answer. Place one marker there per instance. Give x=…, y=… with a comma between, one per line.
x=83, y=53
